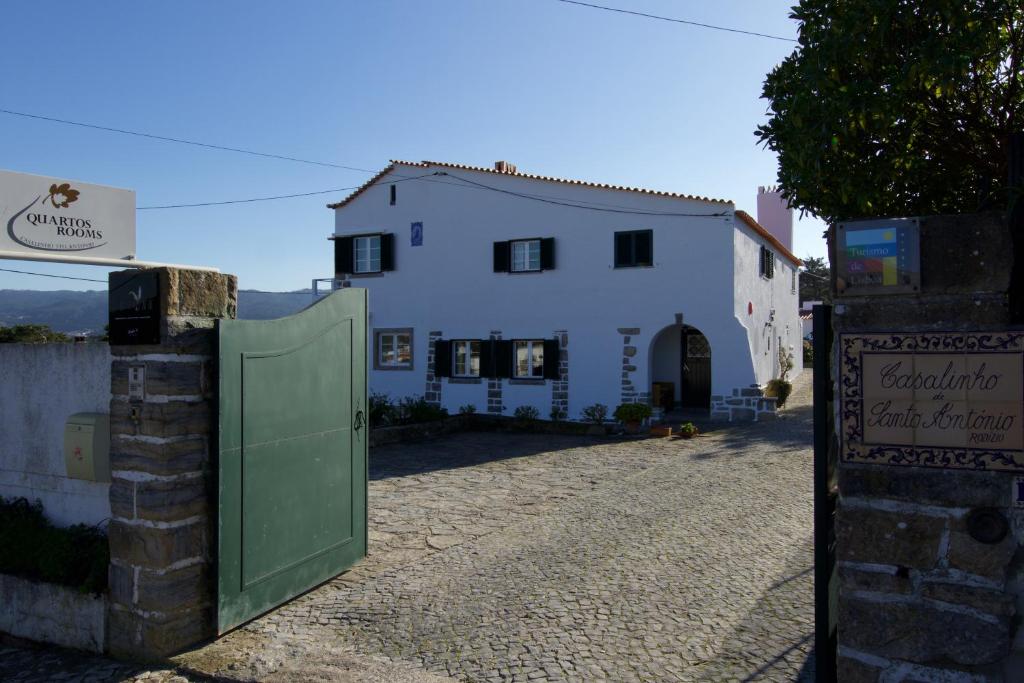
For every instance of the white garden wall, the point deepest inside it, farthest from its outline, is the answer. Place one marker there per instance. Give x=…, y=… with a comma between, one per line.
x=40, y=386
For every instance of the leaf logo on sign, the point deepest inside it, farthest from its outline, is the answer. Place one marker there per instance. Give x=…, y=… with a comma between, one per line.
x=62, y=195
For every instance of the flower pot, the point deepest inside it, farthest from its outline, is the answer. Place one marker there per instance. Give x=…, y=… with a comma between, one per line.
x=661, y=430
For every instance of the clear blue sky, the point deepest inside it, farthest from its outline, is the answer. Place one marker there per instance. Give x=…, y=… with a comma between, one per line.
x=555, y=88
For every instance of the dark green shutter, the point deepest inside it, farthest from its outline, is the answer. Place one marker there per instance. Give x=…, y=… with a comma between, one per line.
x=644, y=248
x=547, y=253
x=442, y=358
x=342, y=255
x=623, y=249
x=551, y=353
x=387, y=252
x=502, y=358
x=501, y=257
x=487, y=358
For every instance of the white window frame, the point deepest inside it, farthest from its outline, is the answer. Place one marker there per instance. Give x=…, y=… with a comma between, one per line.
x=468, y=345
x=396, y=364
x=366, y=244
x=527, y=247
x=531, y=344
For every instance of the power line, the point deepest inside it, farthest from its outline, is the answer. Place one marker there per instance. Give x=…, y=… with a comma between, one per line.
x=182, y=141
x=678, y=21
x=536, y=198
x=61, y=277
x=267, y=199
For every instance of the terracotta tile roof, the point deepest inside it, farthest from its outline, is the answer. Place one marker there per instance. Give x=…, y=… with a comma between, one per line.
x=531, y=176
x=770, y=238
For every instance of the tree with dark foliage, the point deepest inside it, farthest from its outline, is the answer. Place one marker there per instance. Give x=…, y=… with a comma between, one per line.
x=898, y=107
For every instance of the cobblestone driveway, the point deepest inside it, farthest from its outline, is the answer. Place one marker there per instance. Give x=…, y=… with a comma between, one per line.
x=541, y=558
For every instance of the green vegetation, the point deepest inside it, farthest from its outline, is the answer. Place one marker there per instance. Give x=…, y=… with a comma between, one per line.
x=596, y=413
x=33, y=548
x=688, y=430
x=467, y=409
x=632, y=412
x=409, y=410
x=31, y=334
x=528, y=413
x=897, y=108
x=815, y=280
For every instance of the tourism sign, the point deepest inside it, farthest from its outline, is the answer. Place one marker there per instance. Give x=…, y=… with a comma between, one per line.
x=56, y=216
x=934, y=399
x=878, y=256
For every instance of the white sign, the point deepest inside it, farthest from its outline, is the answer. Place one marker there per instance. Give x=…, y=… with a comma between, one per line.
x=55, y=216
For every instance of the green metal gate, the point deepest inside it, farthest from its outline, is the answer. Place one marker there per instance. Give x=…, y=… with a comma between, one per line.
x=292, y=454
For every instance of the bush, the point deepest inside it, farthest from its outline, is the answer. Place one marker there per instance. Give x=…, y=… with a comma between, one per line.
x=526, y=413
x=467, y=409
x=632, y=412
x=382, y=410
x=595, y=413
x=32, y=548
x=808, y=353
x=780, y=389
x=414, y=409
x=31, y=334
x=557, y=414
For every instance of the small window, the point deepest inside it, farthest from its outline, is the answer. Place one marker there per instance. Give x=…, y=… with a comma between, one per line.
x=767, y=263
x=366, y=252
x=466, y=358
x=634, y=249
x=792, y=284
x=393, y=195
x=529, y=359
x=394, y=349
x=525, y=256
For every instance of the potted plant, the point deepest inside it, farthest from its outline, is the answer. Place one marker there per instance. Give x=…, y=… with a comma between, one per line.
x=661, y=430
x=688, y=430
x=631, y=415
x=595, y=414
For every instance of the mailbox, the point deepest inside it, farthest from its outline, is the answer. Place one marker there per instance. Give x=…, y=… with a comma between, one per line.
x=87, y=446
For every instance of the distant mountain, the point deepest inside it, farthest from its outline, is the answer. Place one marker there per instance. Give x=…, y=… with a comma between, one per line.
x=86, y=312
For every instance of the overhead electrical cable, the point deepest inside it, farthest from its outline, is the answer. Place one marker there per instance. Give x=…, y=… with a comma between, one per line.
x=570, y=204
x=678, y=21
x=182, y=141
x=44, y=274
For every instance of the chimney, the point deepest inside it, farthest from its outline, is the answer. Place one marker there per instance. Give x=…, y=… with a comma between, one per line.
x=774, y=216
x=504, y=167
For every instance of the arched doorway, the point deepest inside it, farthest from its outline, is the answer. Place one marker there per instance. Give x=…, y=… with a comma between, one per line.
x=681, y=369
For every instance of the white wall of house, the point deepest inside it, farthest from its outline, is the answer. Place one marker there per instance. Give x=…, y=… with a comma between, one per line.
x=448, y=284
x=41, y=385
x=779, y=294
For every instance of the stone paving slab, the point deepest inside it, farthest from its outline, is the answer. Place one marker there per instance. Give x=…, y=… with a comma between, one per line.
x=498, y=557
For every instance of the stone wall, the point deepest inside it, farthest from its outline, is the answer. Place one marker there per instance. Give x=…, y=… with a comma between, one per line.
x=560, y=387
x=49, y=613
x=747, y=404
x=929, y=590
x=162, y=495
x=432, y=390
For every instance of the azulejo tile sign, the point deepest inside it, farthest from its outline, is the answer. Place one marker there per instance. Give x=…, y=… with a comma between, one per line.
x=950, y=400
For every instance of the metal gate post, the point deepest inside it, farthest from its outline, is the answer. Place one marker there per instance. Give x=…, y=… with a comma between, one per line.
x=824, y=502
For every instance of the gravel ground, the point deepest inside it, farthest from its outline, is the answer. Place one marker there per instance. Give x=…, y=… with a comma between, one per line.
x=547, y=558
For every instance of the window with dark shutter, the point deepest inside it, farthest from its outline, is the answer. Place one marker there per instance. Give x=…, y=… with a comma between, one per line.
x=393, y=195
x=547, y=253
x=501, y=257
x=387, y=252
x=442, y=358
x=551, y=358
x=502, y=358
x=767, y=265
x=342, y=255
x=634, y=248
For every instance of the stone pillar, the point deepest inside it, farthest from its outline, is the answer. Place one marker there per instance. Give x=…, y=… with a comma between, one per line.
x=495, y=402
x=560, y=387
x=629, y=394
x=432, y=393
x=928, y=589
x=162, y=494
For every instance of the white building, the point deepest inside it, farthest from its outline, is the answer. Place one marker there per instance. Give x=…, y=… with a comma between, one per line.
x=561, y=293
